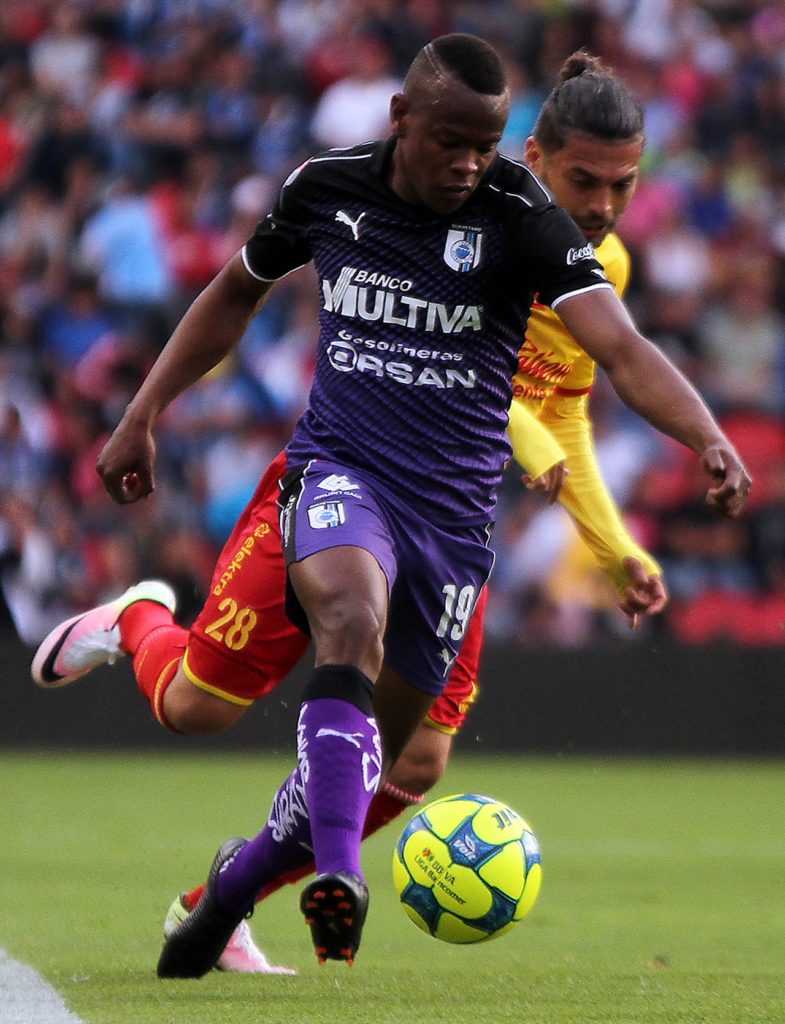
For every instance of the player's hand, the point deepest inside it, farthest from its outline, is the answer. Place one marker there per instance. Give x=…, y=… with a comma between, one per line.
x=645, y=593
x=126, y=463
x=731, y=482
x=551, y=481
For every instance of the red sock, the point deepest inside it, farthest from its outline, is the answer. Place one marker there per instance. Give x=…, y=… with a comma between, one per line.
x=156, y=661
x=386, y=805
x=190, y=899
x=139, y=619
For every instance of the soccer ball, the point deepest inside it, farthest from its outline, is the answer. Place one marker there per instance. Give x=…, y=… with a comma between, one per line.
x=467, y=868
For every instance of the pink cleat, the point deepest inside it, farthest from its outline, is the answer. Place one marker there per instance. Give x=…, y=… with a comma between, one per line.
x=244, y=956
x=82, y=643
x=241, y=955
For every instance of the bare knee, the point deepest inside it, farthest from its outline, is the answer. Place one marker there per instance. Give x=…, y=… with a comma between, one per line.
x=423, y=761
x=351, y=633
x=195, y=712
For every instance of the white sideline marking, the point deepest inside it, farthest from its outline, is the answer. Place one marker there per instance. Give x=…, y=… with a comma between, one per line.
x=25, y=998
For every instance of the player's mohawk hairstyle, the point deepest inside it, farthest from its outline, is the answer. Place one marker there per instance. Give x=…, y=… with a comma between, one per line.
x=590, y=99
x=471, y=60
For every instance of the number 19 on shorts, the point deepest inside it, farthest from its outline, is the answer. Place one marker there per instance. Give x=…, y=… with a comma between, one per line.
x=458, y=605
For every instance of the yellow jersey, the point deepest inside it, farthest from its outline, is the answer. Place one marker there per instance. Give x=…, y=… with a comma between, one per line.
x=551, y=387
x=550, y=359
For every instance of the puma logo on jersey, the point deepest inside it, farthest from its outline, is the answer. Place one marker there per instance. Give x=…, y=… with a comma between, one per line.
x=447, y=656
x=343, y=218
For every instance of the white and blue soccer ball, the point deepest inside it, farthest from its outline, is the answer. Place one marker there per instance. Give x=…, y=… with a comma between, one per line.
x=467, y=868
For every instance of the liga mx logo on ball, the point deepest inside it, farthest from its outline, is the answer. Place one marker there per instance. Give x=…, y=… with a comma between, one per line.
x=467, y=868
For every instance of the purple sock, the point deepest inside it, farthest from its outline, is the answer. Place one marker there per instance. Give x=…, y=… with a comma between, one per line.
x=283, y=845
x=339, y=754
x=319, y=811
x=339, y=758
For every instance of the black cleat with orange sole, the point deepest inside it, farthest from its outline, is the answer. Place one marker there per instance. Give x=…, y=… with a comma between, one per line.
x=335, y=906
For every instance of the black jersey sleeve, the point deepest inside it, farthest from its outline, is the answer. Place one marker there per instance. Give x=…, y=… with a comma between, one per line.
x=280, y=242
x=559, y=260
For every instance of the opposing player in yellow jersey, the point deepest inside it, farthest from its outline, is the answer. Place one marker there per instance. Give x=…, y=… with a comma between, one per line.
x=586, y=149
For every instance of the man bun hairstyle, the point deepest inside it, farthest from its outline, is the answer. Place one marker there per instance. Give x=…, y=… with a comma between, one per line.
x=590, y=99
x=467, y=58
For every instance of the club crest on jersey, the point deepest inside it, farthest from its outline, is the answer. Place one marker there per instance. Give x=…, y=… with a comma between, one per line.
x=462, y=249
x=327, y=515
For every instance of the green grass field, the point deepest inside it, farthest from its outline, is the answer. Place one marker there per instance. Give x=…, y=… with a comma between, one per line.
x=662, y=900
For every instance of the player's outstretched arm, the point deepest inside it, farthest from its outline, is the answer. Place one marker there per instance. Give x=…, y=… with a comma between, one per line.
x=537, y=452
x=649, y=383
x=210, y=329
x=636, y=576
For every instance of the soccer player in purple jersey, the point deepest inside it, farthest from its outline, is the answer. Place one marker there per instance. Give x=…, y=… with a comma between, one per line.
x=429, y=248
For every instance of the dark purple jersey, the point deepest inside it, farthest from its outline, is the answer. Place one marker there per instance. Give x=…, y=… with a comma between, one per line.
x=421, y=319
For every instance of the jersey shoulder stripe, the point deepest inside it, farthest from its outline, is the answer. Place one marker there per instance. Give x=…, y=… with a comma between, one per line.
x=579, y=291
x=331, y=167
x=515, y=179
x=512, y=195
x=346, y=153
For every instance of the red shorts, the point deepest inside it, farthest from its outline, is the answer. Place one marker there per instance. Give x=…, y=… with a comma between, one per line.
x=243, y=644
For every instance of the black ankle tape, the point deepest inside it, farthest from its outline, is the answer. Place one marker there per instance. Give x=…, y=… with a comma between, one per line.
x=344, y=682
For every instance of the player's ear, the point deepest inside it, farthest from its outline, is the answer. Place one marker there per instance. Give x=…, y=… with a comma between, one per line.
x=399, y=108
x=532, y=154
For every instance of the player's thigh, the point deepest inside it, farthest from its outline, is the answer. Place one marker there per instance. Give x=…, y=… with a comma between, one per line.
x=194, y=711
x=342, y=591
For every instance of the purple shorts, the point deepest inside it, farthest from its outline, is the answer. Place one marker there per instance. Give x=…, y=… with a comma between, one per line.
x=434, y=574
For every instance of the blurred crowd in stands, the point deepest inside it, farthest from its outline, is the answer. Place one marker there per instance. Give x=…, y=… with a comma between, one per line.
x=141, y=141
